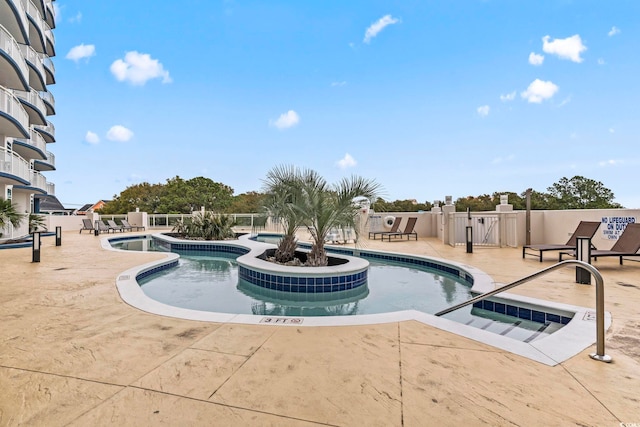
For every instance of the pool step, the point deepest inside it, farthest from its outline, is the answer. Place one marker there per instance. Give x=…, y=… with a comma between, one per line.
x=512, y=327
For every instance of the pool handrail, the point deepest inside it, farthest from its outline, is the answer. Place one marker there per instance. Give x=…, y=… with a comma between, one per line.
x=600, y=352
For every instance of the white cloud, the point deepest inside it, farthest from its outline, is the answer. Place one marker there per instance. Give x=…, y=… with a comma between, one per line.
x=612, y=130
x=538, y=91
x=334, y=84
x=601, y=61
x=91, y=138
x=536, y=59
x=378, y=26
x=610, y=162
x=77, y=18
x=138, y=68
x=286, y=120
x=508, y=97
x=119, y=133
x=483, y=110
x=569, y=48
x=565, y=101
x=346, y=162
x=81, y=51
x=614, y=30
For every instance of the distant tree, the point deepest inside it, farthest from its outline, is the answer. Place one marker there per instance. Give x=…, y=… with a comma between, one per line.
x=380, y=205
x=250, y=202
x=582, y=193
x=176, y=196
x=483, y=202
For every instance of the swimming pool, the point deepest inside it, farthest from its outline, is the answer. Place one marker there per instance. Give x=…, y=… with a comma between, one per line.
x=574, y=325
x=209, y=281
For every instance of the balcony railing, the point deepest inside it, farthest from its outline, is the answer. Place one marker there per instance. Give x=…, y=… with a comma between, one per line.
x=48, y=98
x=50, y=13
x=51, y=189
x=49, y=128
x=12, y=48
x=49, y=66
x=38, y=181
x=51, y=159
x=38, y=21
x=49, y=39
x=33, y=98
x=10, y=105
x=22, y=16
x=12, y=164
x=33, y=57
x=36, y=140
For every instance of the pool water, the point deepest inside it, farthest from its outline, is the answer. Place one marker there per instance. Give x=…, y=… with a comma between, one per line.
x=208, y=281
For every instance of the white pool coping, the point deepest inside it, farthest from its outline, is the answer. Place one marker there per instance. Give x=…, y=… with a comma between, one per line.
x=573, y=338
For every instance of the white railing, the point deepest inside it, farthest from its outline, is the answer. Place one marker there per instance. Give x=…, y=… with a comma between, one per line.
x=13, y=164
x=48, y=63
x=48, y=97
x=36, y=141
x=34, y=58
x=50, y=11
x=249, y=222
x=22, y=12
x=51, y=159
x=33, y=98
x=10, y=105
x=9, y=45
x=38, y=181
x=51, y=188
x=49, y=128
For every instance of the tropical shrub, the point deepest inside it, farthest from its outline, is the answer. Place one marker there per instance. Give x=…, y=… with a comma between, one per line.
x=9, y=214
x=206, y=226
x=36, y=223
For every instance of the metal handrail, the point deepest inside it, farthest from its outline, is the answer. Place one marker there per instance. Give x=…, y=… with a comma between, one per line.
x=599, y=355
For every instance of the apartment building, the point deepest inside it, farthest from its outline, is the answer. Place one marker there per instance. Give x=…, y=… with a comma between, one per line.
x=26, y=73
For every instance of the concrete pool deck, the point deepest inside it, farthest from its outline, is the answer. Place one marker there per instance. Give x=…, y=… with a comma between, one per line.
x=72, y=353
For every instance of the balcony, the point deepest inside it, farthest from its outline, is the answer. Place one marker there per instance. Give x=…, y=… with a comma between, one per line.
x=13, y=66
x=14, y=170
x=48, y=164
x=33, y=148
x=49, y=68
x=51, y=189
x=34, y=105
x=36, y=28
x=13, y=18
x=49, y=103
x=49, y=13
x=35, y=67
x=14, y=120
x=50, y=40
x=48, y=132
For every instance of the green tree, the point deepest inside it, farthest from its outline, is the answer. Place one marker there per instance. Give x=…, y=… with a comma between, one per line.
x=322, y=206
x=9, y=214
x=408, y=205
x=582, y=193
x=250, y=202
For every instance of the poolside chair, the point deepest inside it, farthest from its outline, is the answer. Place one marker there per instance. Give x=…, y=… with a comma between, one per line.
x=127, y=226
x=408, y=231
x=87, y=225
x=394, y=228
x=113, y=226
x=584, y=229
x=628, y=244
x=102, y=227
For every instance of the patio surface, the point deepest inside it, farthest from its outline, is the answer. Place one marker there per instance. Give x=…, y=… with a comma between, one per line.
x=72, y=353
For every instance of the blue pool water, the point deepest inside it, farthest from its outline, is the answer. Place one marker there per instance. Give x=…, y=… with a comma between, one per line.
x=209, y=281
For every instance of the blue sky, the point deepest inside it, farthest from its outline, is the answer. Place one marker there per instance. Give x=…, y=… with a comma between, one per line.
x=429, y=98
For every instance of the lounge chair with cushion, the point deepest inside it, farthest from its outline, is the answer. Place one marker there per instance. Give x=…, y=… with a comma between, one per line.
x=87, y=225
x=394, y=228
x=584, y=229
x=127, y=226
x=628, y=244
x=113, y=226
x=408, y=231
x=102, y=227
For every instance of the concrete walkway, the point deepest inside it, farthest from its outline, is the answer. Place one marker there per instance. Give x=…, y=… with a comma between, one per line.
x=72, y=353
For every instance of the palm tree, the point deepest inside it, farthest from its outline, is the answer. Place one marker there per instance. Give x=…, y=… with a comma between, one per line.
x=325, y=206
x=37, y=222
x=304, y=198
x=281, y=189
x=9, y=214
